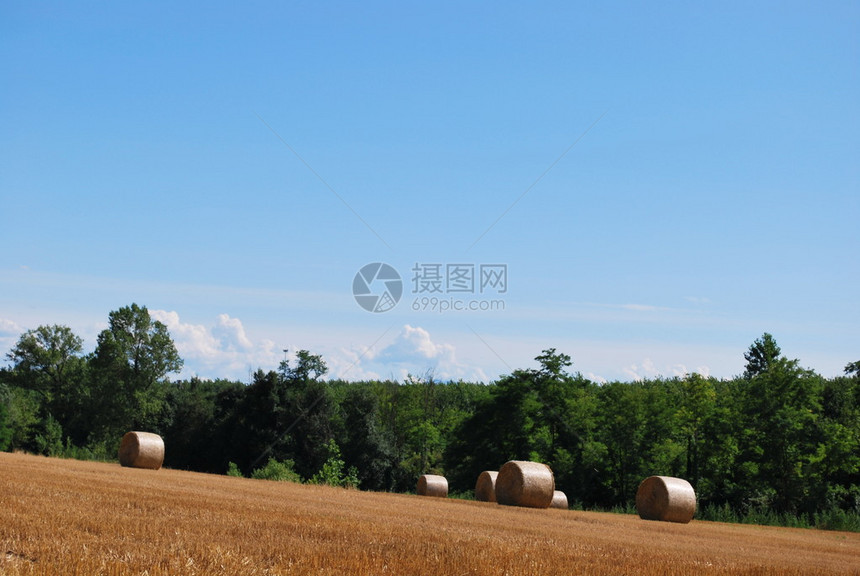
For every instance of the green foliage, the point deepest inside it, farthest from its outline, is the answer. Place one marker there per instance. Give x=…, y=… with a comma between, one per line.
x=5, y=427
x=308, y=367
x=366, y=442
x=333, y=471
x=193, y=425
x=100, y=452
x=837, y=519
x=233, y=470
x=281, y=471
x=45, y=358
x=48, y=362
x=50, y=440
x=131, y=361
x=762, y=353
x=22, y=417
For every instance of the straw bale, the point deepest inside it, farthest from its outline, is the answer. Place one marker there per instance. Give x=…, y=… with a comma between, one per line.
x=141, y=450
x=485, y=487
x=666, y=499
x=433, y=485
x=523, y=483
x=559, y=500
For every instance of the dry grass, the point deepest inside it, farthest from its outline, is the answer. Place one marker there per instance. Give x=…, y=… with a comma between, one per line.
x=69, y=517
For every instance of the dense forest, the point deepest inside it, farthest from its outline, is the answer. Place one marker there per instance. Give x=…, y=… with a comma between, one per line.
x=778, y=443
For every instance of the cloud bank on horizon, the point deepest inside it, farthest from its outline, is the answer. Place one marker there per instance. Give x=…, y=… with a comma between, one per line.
x=223, y=349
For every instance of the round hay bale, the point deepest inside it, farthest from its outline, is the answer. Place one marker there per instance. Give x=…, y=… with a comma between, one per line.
x=666, y=499
x=485, y=487
x=141, y=450
x=433, y=485
x=522, y=483
x=559, y=500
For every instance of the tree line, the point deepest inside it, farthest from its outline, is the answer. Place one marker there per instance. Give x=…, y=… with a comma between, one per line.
x=778, y=443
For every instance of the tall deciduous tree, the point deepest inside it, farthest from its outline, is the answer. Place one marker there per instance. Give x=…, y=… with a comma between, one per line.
x=48, y=361
x=783, y=409
x=44, y=359
x=697, y=403
x=133, y=357
x=761, y=355
x=5, y=425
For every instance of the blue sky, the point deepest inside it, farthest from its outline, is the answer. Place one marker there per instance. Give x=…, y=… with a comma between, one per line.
x=662, y=183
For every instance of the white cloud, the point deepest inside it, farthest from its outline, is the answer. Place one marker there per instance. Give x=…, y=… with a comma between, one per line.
x=595, y=377
x=9, y=328
x=648, y=369
x=412, y=352
x=415, y=344
x=230, y=331
x=9, y=334
x=219, y=351
x=192, y=340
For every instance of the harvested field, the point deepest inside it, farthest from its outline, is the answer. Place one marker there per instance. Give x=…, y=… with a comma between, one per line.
x=71, y=517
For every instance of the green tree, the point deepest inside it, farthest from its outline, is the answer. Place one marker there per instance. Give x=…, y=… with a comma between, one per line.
x=132, y=359
x=697, y=403
x=5, y=427
x=49, y=362
x=783, y=406
x=623, y=417
x=853, y=369
x=22, y=408
x=252, y=425
x=50, y=440
x=543, y=414
x=193, y=416
x=840, y=432
x=45, y=358
x=722, y=479
x=282, y=415
x=309, y=367
x=761, y=355
x=366, y=443
x=334, y=472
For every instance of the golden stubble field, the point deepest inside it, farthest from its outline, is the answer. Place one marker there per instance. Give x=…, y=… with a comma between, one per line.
x=69, y=517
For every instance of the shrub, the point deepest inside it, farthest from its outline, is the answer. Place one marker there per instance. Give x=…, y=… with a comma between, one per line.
x=332, y=472
x=279, y=471
x=50, y=441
